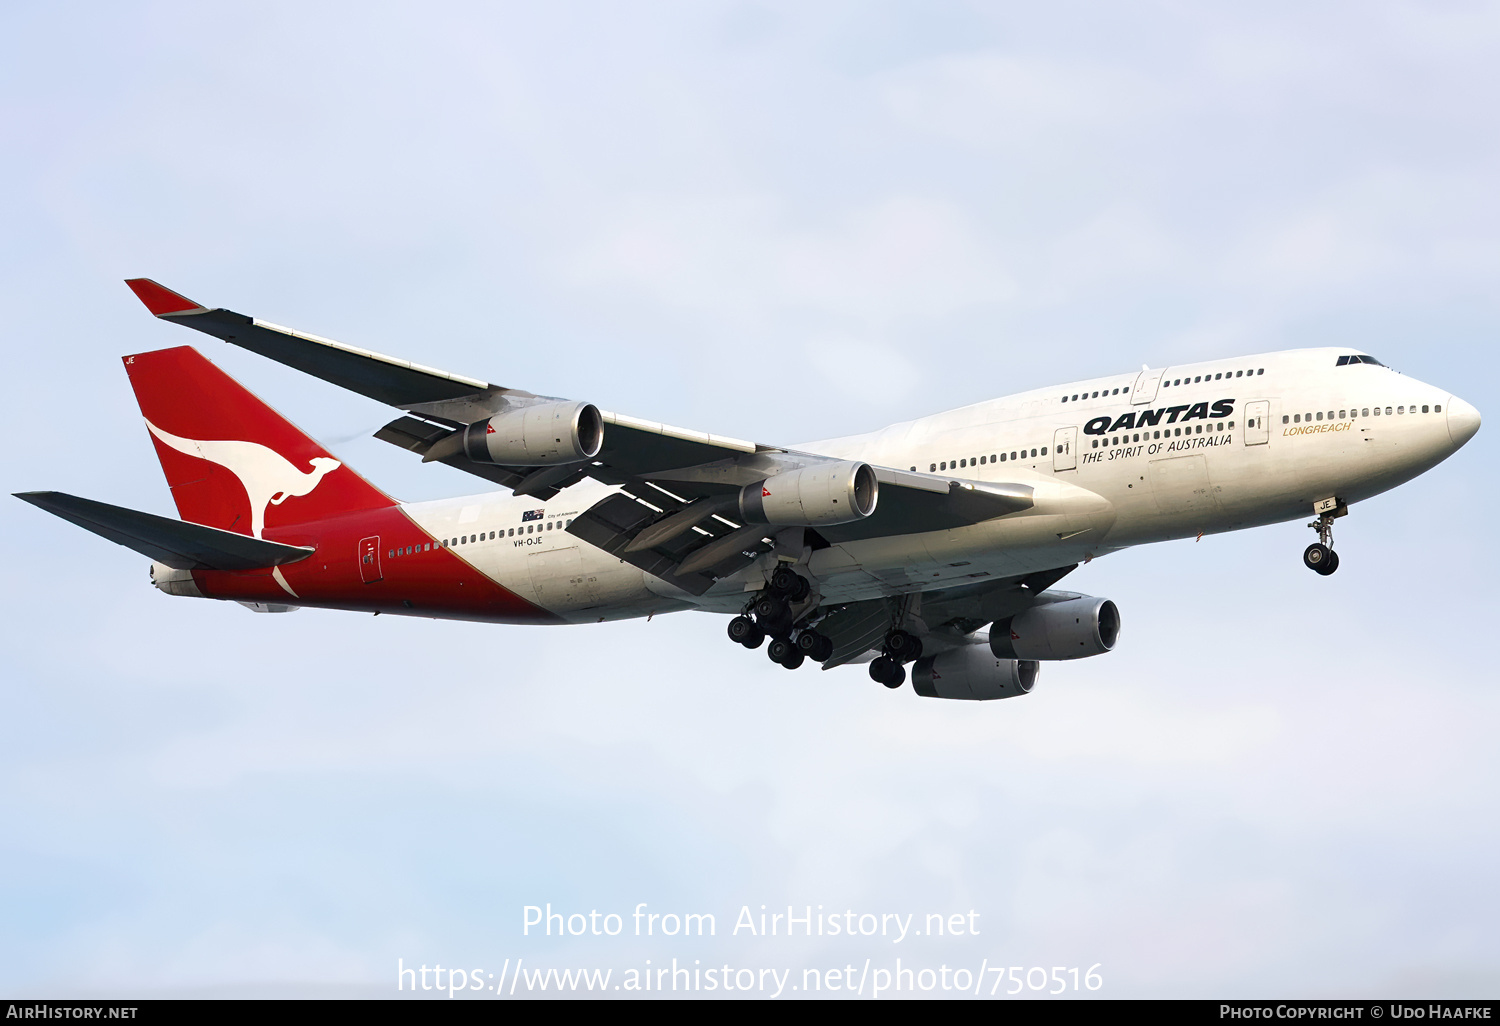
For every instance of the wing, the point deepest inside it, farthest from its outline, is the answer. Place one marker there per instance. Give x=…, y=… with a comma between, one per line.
x=671, y=517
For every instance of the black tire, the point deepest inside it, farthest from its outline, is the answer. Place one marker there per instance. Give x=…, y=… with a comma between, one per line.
x=1331, y=565
x=794, y=660
x=882, y=669
x=824, y=652
x=903, y=647
x=780, y=650
x=740, y=628
x=897, y=678
x=799, y=590
x=785, y=579
x=808, y=643
x=755, y=640
x=770, y=608
x=1317, y=556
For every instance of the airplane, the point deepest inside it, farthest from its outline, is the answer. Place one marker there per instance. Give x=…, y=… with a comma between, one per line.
x=934, y=543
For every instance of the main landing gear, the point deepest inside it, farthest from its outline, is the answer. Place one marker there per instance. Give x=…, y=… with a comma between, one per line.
x=1319, y=557
x=900, y=647
x=770, y=615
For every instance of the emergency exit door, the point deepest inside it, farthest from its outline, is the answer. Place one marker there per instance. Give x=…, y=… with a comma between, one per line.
x=369, y=559
x=1257, y=423
x=1063, y=444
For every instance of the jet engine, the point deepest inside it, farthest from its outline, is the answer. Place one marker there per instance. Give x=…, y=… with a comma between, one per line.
x=972, y=673
x=825, y=493
x=537, y=436
x=1072, y=629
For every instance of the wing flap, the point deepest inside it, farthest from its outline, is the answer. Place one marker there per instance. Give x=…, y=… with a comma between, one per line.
x=177, y=543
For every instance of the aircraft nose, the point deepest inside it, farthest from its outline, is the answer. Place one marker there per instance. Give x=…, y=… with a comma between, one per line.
x=1463, y=420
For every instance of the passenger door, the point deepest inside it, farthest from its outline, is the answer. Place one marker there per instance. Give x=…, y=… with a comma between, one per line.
x=1146, y=384
x=369, y=559
x=1063, y=443
x=1257, y=423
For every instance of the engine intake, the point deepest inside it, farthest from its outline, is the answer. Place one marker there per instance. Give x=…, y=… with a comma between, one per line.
x=827, y=493
x=537, y=436
x=1059, y=630
x=973, y=674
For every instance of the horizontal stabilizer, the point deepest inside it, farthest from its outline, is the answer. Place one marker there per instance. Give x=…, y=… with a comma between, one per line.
x=177, y=543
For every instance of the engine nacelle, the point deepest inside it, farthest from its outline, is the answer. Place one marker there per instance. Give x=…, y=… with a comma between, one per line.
x=1059, y=630
x=973, y=674
x=826, y=493
x=537, y=436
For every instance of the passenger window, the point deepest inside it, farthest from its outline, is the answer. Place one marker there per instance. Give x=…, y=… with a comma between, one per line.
x=1296, y=417
x=1198, y=379
x=932, y=469
x=1033, y=454
x=1424, y=409
x=943, y=465
x=1075, y=398
x=1096, y=395
x=1401, y=409
x=1261, y=371
x=1044, y=450
x=981, y=461
x=1387, y=411
x=992, y=457
x=1012, y=455
x=1239, y=374
x=1096, y=443
x=1365, y=412
x=1320, y=414
x=1002, y=457
x=963, y=463
x=510, y=533
x=1156, y=434
x=1341, y=415
x=1437, y=409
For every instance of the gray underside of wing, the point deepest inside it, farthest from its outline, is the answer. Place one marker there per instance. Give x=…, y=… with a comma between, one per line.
x=919, y=503
x=386, y=379
x=178, y=544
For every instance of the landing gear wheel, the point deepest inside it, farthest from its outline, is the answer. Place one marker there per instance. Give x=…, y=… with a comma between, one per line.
x=772, y=613
x=755, y=640
x=903, y=647
x=790, y=583
x=794, y=660
x=887, y=671
x=741, y=628
x=815, y=646
x=780, y=650
x=1320, y=558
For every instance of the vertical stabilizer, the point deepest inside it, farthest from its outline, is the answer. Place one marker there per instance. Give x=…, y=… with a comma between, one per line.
x=233, y=462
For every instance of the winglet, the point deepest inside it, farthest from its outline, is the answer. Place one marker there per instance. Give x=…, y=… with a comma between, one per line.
x=160, y=300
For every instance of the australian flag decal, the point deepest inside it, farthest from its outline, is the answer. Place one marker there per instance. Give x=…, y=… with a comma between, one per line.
x=532, y=514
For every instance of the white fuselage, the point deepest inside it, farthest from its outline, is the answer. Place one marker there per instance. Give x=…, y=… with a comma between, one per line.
x=1114, y=461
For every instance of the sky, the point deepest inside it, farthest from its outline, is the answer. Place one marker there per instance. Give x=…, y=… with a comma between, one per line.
x=776, y=222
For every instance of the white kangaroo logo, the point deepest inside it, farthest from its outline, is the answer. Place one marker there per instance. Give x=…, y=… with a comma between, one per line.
x=268, y=477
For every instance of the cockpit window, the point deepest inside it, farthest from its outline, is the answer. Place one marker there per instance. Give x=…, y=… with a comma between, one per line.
x=1345, y=361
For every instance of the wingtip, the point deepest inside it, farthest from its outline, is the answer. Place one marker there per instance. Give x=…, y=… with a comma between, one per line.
x=159, y=299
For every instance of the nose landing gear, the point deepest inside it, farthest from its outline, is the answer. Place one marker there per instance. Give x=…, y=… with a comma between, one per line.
x=1319, y=557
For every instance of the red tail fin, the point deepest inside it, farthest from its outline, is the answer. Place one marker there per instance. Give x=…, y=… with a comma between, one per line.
x=232, y=461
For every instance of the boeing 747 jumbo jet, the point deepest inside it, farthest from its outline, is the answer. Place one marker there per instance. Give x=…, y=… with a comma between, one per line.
x=935, y=542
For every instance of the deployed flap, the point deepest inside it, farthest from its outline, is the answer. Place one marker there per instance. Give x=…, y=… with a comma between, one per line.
x=178, y=544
